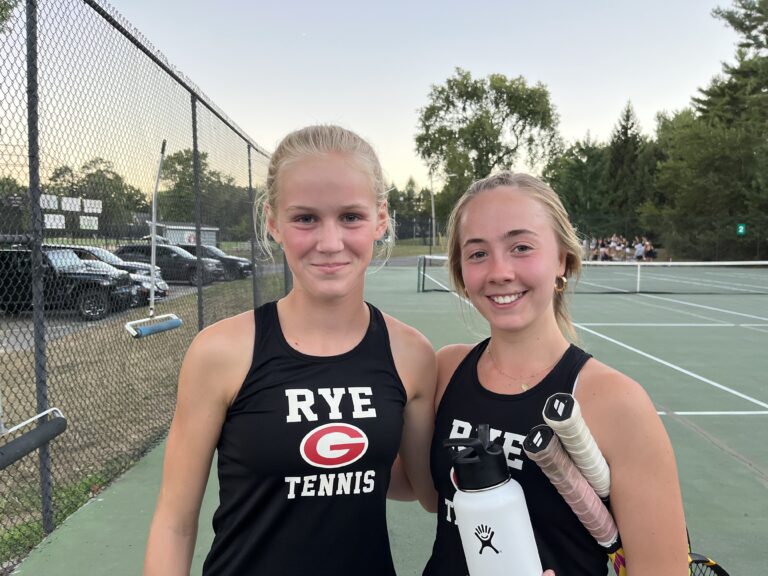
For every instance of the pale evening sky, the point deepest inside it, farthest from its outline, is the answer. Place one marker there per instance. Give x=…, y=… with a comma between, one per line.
x=276, y=66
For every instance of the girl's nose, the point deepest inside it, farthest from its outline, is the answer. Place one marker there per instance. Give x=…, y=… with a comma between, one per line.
x=501, y=270
x=330, y=238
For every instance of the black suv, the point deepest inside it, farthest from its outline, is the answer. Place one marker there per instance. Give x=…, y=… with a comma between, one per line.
x=175, y=263
x=96, y=257
x=234, y=266
x=67, y=284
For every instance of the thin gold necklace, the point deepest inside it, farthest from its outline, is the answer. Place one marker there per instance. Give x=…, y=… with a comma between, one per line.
x=520, y=380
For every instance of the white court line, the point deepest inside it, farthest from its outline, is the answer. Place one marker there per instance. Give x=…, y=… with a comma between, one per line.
x=645, y=354
x=674, y=367
x=748, y=327
x=705, y=307
x=674, y=325
x=708, y=413
x=436, y=281
x=675, y=309
x=661, y=325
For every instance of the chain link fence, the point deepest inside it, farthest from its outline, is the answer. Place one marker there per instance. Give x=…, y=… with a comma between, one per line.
x=85, y=104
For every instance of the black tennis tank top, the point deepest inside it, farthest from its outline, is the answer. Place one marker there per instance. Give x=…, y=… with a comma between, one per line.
x=564, y=544
x=304, y=459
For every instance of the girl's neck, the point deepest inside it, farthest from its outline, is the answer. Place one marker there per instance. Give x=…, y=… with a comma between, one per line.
x=521, y=353
x=323, y=328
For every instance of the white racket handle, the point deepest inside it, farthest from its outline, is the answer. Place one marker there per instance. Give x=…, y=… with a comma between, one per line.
x=543, y=447
x=562, y=413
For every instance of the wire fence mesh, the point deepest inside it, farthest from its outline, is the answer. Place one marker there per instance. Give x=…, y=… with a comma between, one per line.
x=85, y=104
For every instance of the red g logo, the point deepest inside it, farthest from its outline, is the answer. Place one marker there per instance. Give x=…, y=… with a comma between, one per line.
x=333, y=445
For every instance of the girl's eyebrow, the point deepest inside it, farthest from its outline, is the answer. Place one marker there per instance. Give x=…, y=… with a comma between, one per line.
x=506, y=236
x=518, y=232
x=298, y=208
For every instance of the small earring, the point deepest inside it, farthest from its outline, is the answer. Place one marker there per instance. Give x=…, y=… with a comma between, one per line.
x=561, y=283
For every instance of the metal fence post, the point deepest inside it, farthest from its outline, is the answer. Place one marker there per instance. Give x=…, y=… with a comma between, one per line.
x=287, y=276
x=38, y=297
x=198, y=216
x=254, y=222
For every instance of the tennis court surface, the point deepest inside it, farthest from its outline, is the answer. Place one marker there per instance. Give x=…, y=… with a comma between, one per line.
x=702, y=357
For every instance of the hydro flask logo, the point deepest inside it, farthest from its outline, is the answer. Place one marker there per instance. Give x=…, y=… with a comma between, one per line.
x=485, y=535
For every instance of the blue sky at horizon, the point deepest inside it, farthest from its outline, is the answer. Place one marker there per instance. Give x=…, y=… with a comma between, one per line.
x=273, y=67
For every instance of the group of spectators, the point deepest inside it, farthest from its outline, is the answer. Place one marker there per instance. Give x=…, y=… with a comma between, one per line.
x=618, y=248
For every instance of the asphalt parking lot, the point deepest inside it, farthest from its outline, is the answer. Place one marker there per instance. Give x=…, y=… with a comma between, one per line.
x=16, y=331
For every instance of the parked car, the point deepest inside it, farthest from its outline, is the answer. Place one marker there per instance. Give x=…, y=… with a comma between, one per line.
x=175, y=263
x=67, y=284
x=96, y=253
x=234, y=266
x=141, y=284
x=139, y=271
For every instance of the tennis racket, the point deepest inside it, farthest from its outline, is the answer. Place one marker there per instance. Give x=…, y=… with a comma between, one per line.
x=543, y=447
x=562, y=413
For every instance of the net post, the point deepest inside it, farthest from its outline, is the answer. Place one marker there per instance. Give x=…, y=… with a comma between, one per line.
x=420, y=274
x=639, y=267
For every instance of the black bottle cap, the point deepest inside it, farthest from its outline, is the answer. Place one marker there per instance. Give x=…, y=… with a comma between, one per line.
x=481, y=464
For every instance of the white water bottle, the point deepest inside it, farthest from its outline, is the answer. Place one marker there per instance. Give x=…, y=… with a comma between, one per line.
x=491, y=513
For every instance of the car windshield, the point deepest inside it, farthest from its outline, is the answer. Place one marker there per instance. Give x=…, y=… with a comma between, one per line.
x=180, y=251
x=215, y=251
x=105, y=256
x=63, y=259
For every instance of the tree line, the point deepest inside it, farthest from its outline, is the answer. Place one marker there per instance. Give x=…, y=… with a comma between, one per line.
x=687, y=187
x=703, y=172
x=125, y=209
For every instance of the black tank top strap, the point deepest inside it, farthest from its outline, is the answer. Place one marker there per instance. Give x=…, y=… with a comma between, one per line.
x=265, y=317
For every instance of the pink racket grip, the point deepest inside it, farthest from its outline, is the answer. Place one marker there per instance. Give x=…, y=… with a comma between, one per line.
x=543, y=447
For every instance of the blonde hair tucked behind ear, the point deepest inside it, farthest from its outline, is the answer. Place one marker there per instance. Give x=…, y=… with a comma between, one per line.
x=320, y=140
x=564, y=231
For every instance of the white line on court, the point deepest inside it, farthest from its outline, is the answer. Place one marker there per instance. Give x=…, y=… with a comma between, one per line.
x=751, y=327
x=444, y=287
x=675, y=325
x=676, y=309
x=705, y=307
x=662, y=325
x=709, y=413
x=674, y=366
x=641, y=353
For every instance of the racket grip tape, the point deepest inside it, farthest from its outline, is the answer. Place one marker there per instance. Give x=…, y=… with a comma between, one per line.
x=563, y=414
x=543, y=447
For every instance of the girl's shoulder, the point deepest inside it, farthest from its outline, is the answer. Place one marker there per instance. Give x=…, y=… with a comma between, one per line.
x=405, y=338
x=224, y=351
x=605, y=387
x=414, y=357
x=614, y=405
x=448, y=359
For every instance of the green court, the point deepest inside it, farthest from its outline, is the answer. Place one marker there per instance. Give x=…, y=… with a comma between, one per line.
x=701, y=357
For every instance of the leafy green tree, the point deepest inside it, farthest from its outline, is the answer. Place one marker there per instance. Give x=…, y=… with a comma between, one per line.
x=223, y=203
x=471, y=127
x=98, y=180
x=580, y=176
x=630, y=173
x=14, y=207
x=6, y=9
x=740, y=93
x=714, y=173
x=708, y=182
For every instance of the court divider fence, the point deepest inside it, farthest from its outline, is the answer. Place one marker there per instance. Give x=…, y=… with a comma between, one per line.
x=85, y=103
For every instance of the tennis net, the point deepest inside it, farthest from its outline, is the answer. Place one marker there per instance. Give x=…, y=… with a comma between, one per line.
x=741, y=278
